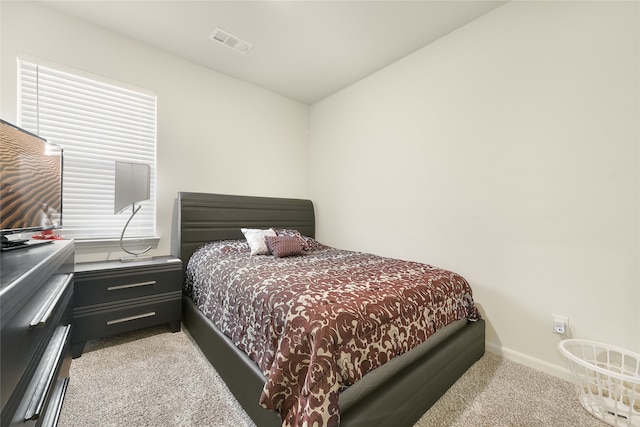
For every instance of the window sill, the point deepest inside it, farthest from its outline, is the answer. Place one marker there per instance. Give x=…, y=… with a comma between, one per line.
x=132, y=242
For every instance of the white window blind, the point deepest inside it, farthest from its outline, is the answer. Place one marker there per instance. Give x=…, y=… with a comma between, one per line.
x=97, y=124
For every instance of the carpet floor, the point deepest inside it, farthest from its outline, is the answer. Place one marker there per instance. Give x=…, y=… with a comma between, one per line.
x=154, y=377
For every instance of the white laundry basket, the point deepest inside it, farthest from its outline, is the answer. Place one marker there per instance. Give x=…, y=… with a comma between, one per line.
x=607, y=380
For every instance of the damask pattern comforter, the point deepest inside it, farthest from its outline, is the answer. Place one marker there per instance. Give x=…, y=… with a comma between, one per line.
x=319, y=322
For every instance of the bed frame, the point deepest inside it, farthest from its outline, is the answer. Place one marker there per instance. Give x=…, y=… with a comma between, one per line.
x=400, y=401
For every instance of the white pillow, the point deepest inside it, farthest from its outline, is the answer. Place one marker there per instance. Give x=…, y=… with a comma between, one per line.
x=256, y=240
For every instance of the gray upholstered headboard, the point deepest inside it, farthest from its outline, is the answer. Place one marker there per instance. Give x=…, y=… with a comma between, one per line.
x=204, y=217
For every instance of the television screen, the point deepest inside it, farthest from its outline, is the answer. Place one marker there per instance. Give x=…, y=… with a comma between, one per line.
x=30, y=181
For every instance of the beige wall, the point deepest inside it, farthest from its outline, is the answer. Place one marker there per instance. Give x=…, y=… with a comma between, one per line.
x=215, y=134
x=507, y=151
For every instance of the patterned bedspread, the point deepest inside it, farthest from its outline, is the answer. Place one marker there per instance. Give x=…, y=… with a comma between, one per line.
x=319, y=322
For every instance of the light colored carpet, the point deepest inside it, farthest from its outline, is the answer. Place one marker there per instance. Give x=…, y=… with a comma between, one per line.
x=154, y=377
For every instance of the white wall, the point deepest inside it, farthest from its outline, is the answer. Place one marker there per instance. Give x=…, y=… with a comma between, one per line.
x=215, y=134
x=507, y=151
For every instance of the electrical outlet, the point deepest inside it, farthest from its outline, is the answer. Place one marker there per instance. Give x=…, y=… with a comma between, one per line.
x=560, y=324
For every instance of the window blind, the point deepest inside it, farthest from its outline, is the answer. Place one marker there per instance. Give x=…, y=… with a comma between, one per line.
x=97, y=123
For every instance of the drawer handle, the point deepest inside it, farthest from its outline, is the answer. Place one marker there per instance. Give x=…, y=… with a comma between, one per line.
x=132, y=285
x=127, y=319
x=47, y=372
x=55, y=405
x=43, y=315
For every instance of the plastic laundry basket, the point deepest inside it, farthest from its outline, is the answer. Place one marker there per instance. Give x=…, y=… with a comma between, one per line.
x=607, y=380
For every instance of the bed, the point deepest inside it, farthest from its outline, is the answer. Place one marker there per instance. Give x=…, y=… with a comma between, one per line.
x=397, y=393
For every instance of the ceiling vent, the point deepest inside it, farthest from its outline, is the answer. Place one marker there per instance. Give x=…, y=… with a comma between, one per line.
x=229, y=40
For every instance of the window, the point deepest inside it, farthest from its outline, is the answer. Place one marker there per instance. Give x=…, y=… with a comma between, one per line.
x=97, y=123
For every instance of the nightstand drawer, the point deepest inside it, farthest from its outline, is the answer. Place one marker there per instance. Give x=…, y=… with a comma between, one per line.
x=96, y=287
x=110, y=319
x=112, y=297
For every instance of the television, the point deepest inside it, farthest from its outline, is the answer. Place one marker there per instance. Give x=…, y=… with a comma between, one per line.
x=30, y=185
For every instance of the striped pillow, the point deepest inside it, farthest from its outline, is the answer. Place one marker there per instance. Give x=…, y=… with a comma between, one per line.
x=282, y=246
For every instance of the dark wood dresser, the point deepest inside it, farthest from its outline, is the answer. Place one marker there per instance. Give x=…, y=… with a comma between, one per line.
x=36, y=295
x=112, y=297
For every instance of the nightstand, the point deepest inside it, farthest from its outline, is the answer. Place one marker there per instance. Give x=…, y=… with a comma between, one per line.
x=111, y=297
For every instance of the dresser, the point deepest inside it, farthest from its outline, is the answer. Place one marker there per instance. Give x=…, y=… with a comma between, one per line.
x=36, y=294
x=112, y=297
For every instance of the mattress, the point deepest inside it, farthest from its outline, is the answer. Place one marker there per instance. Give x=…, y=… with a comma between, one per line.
x=316, y=324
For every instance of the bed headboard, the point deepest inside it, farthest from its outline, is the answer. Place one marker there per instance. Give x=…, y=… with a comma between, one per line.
x=204, y=217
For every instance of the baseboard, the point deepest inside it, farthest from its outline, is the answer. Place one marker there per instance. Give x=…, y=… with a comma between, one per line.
x=529, y=361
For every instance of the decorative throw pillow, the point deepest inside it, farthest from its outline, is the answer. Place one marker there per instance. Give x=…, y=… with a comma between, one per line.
x=256, y=241
x=282, y=246
x=311, y=244
x=292, y=233
x=308, y=243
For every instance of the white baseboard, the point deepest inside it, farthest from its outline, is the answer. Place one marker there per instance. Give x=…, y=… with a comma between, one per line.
x=529, y=361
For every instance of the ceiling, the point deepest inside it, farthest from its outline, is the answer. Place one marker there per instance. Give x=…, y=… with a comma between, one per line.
x=304, y=50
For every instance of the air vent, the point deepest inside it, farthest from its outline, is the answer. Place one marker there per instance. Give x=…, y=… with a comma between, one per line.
x=229, y=40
